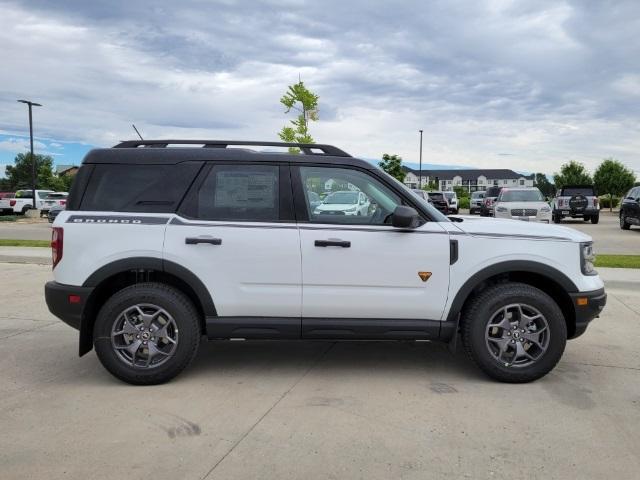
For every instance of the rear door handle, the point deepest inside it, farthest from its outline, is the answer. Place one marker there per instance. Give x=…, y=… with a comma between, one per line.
x=333, y=243
x=196, y=240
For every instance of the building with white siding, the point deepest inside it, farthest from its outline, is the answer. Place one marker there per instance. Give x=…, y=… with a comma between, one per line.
x=470, y=179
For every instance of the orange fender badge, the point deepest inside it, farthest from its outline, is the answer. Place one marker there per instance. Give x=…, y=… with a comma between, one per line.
x=424, y=276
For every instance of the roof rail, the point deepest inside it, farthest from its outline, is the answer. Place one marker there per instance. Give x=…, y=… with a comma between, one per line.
x=306, y=148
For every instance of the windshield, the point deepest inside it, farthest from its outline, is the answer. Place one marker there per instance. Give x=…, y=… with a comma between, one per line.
x=532, y=195
x=477, y=195
x=450, y=195
x=342, y=198
x=436, y=196
x=571, y=191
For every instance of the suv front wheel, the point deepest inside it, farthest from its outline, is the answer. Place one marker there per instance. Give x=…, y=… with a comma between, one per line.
x=514, y=332
x=147, y=333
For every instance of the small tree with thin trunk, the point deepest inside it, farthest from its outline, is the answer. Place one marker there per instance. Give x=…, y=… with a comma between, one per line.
x=299, y=98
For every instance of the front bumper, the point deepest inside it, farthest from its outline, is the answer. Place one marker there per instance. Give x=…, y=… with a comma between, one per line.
x=542, y=218
x=67, y=302
x=587, y=306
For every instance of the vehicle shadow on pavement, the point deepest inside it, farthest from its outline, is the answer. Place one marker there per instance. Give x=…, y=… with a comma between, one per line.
x=341, y=357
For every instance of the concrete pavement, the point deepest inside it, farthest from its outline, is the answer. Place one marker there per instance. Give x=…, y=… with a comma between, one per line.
x=313, y=410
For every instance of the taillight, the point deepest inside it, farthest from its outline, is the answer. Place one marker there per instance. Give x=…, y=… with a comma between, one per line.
x=12, y=203
x=595, y=201
x=63, y=202
x=57, y=240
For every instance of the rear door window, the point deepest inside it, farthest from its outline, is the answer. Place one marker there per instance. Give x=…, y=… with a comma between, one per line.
x=239, y=193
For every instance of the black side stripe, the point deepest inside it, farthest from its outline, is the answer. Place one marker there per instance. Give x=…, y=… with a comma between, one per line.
x=117, y=220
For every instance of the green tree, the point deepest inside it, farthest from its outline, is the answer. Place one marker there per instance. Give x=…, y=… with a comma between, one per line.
x=613, y=178
x=305, y=102
x=392, y=164
x=544, y=185
x=432, y=185
x=19, y=174
x=572, y=173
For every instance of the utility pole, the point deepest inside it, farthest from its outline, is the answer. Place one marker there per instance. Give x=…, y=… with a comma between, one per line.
x=420, y=178
x=33, y=159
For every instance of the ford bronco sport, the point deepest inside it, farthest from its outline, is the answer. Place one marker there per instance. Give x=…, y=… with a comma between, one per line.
x=576, y=201
x=159, y=246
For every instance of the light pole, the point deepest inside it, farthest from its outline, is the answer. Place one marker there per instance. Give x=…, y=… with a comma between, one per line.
x=420, y=178
x=33, y=159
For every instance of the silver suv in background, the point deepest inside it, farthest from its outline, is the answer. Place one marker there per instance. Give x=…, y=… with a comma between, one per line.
x=576, y=201
x=475, y=202
x=452, y=198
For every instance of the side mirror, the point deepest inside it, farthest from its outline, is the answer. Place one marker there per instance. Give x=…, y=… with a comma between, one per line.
x=405, y=217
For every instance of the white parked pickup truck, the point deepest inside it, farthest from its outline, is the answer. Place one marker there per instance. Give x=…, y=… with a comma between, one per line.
x=23, y=201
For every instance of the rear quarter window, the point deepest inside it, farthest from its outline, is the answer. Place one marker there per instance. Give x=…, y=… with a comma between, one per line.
x=138, y=188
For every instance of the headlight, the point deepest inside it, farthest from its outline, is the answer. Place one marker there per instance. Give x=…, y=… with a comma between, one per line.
x=352, y=209
x=545, y=209
x=501, y=209
x=317, y=211
x=587, y=259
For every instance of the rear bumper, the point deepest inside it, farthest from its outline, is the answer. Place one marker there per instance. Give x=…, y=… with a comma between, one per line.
x=58, y=301
x=567, y=212
x=587, y=310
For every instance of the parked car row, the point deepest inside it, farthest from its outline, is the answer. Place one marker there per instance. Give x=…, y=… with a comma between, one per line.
x=21, y=201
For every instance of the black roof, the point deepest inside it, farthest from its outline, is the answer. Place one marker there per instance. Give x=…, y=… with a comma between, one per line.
x=159, y=152
x=471, y=173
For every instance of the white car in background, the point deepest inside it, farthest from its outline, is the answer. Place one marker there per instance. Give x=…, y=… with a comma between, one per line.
x=522, y=204
x=452, y=197
x=344, y=203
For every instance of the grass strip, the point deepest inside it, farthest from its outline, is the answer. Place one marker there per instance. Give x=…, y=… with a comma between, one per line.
x=618, y=261
x=10, y=242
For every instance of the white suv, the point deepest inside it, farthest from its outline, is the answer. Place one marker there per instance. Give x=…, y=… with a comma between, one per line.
x=522, y=204
x=159, y=246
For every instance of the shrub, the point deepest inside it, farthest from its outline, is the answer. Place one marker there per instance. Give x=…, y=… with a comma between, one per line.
x=8, y=218
x=604, y=202
x=463, y=202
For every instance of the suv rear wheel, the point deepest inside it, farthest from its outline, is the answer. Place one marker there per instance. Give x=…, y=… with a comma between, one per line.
x=147, y=333
x=514, y=332
x=595, y=219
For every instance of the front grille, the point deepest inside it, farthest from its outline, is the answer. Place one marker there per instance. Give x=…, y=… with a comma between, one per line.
x=524, y=212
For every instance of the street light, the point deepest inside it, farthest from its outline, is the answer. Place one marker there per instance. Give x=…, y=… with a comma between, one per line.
x=420, y=178
x=33, y=159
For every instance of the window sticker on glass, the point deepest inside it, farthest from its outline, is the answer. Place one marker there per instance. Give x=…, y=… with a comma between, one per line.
x=254, y=190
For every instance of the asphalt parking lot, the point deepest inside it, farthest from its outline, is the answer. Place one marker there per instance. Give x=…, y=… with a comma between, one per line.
x=313, y=410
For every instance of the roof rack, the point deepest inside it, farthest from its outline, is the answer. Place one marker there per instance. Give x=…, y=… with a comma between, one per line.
x=306, y=148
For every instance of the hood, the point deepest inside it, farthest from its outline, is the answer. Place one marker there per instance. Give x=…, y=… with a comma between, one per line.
x=506, y=227
x=336, y=206
x=519, y=205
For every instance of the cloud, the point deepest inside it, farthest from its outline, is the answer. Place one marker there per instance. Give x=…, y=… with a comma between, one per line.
x=548, y=82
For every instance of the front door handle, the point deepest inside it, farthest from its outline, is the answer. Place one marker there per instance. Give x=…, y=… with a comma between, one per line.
x=196, y=240
x=333, y=243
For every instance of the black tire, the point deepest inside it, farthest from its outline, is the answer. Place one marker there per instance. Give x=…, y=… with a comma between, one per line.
x=174, y=302
x=556, y=218
x=595, y=219
x=623, y=223
x=479, y=312
x=25, y=209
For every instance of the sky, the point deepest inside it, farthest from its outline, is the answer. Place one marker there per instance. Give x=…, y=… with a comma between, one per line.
x=493, y=83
